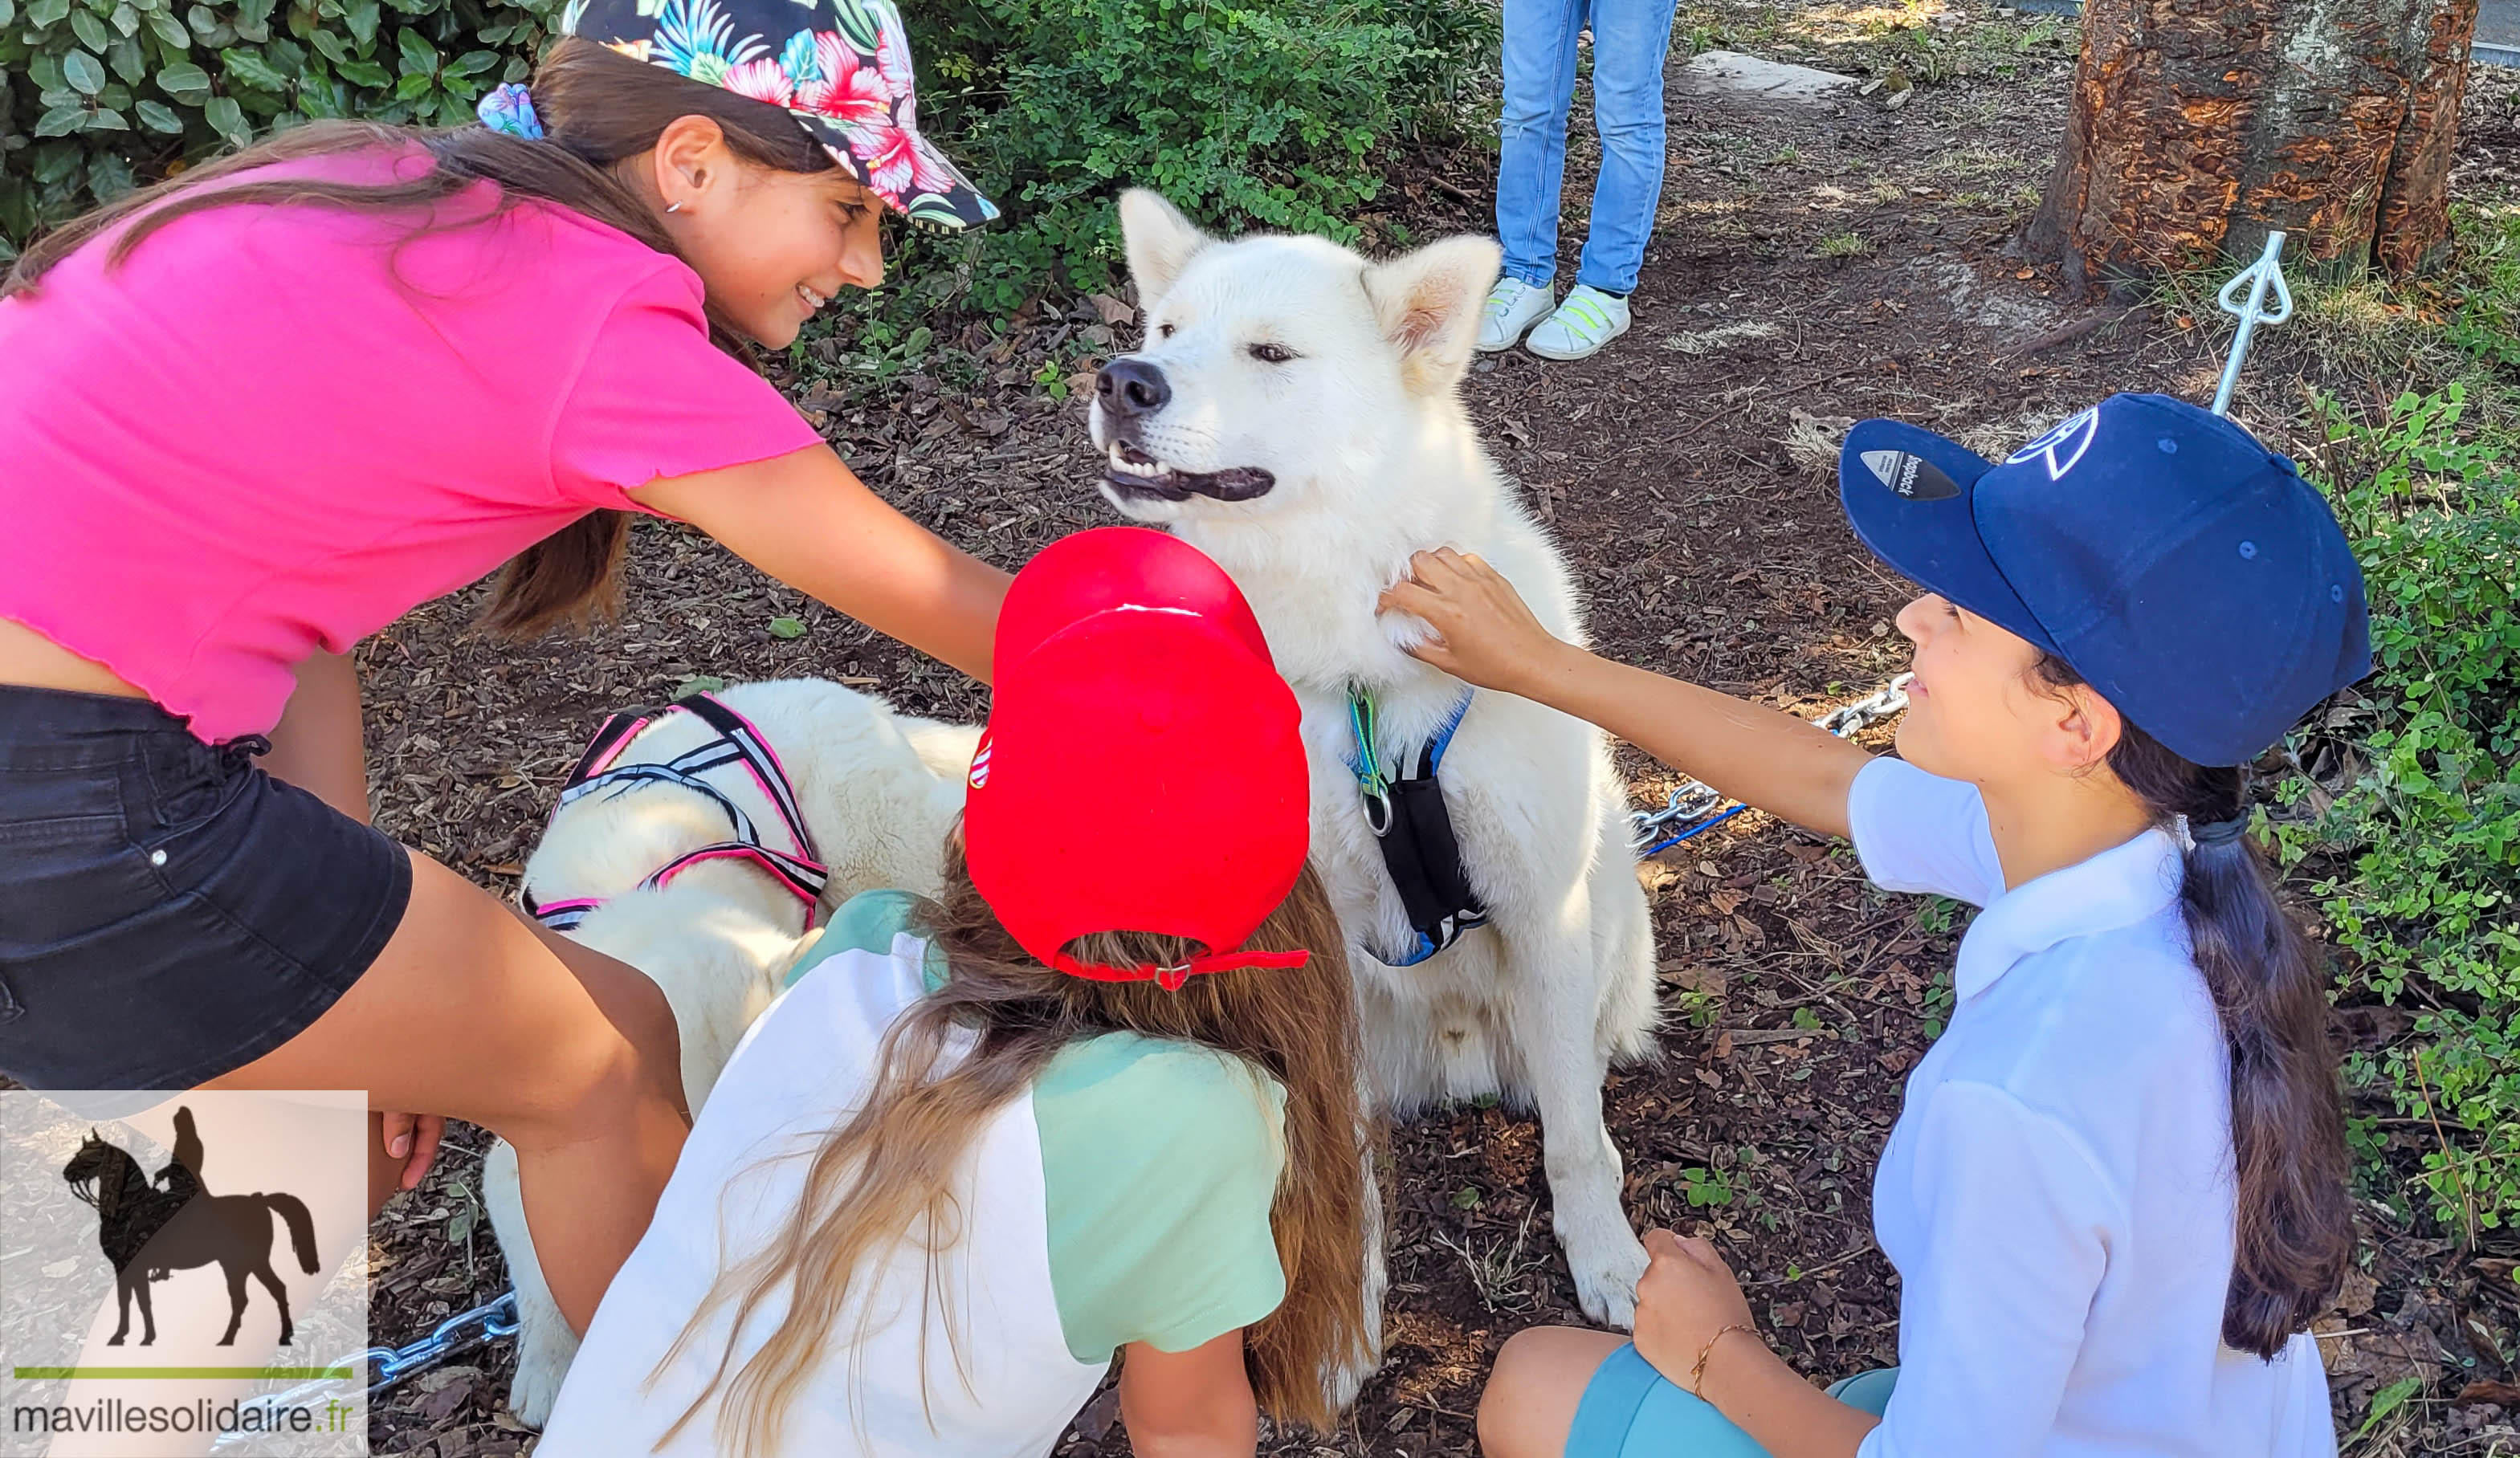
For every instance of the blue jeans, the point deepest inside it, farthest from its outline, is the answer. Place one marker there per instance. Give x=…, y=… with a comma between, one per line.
x=1630, y=1411
x=1630, y=38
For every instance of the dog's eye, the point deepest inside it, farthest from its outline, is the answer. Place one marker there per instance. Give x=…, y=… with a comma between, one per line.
x=1273, y=354
x=1163, y=331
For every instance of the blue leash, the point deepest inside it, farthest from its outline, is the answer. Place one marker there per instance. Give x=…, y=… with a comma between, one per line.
x=1700, y=828
x=1691, y=803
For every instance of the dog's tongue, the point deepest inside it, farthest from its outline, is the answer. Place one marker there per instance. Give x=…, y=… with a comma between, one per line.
x=1239, y=484
x=1159, y=487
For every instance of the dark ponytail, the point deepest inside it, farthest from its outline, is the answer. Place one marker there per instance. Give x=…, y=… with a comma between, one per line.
x=598, y=107
x=2295, y=1227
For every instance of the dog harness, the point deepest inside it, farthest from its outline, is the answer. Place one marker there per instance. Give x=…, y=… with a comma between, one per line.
x=734, y=742
x=1409, y=821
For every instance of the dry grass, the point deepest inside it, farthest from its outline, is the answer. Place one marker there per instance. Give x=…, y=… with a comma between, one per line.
x=1722, y=337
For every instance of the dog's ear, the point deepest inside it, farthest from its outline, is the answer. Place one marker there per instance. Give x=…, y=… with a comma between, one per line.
x=1161, y=241
x=1428, y=303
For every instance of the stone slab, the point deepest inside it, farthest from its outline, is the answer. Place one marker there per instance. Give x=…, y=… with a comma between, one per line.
x=2497, y=32
x=1749, y=77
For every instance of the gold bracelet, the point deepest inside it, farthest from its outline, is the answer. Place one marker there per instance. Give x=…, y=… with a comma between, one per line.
x=1697, y=1374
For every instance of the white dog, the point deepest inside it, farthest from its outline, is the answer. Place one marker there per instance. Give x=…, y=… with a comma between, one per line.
x=1295, y=414
x=878, y=793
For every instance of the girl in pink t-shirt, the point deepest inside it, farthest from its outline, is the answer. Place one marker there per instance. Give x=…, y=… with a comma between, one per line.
x=257, y=414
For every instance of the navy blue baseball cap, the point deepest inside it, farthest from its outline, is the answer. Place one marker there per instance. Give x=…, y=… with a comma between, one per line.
x=2186, y=571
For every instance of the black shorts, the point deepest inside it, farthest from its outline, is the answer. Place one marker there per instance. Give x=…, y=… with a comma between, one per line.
x=168, y=911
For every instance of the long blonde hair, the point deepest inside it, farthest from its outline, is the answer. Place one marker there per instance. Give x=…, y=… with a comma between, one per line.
x=891, y=1173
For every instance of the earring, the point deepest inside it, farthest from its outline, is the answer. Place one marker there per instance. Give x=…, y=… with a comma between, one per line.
x=674, y=207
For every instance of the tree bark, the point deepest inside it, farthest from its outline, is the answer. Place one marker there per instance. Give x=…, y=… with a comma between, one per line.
x=2198, y=125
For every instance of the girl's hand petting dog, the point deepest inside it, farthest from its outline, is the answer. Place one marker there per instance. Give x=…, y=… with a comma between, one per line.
x=1487, y=634
x=1686, y=1300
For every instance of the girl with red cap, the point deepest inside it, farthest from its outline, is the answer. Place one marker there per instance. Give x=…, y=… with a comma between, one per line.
x=1100, y=1099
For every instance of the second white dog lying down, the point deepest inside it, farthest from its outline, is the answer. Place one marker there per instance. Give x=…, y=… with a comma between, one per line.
x=878, y=792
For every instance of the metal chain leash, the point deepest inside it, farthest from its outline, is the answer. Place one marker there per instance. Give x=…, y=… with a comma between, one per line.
x=389, y=1365
x=1694, y=805
x=1863, y=714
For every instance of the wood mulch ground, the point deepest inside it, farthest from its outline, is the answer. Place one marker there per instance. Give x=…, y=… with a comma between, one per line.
x=1815, y=264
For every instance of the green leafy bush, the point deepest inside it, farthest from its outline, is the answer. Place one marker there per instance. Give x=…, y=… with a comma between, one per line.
x=1281, y=114
x=2416, y=862
x=95, y=94
x=2485, y=319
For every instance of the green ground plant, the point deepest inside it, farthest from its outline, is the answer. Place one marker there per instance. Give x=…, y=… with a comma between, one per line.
x=2414, y=863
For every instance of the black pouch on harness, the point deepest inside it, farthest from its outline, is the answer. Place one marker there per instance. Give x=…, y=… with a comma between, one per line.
x=1423, y=858
x=1425, y=861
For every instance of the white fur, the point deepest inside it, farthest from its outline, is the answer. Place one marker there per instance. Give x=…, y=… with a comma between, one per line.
x=1374, y=459
x=879, y=792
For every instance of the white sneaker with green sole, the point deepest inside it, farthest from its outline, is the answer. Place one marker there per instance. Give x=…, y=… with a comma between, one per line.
x=1513, y=306
x=1587, y=321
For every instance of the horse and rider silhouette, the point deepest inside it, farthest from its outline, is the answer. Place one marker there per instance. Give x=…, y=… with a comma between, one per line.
x=150, y=1229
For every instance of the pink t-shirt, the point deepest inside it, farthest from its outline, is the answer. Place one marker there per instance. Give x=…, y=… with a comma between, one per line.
x=278, y=428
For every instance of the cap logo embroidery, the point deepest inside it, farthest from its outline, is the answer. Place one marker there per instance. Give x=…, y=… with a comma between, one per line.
x=980, y=766
x=1913, y=477
x=2063, y=447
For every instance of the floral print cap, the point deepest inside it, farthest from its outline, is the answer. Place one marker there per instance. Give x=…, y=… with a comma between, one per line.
x=840, y=67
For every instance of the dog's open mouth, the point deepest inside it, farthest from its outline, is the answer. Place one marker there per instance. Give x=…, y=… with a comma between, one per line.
x=1133, y=472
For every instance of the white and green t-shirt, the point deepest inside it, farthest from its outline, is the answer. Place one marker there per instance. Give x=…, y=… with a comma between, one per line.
x=1124, y=1198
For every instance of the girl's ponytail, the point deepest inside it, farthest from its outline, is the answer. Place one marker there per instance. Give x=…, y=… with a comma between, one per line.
x=2295, y=1227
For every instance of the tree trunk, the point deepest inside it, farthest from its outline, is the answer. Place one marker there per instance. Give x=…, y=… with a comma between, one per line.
x=2198, y=125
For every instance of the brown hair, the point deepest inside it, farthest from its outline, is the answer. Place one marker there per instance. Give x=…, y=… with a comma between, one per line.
x=2294, y=1231
x=598, y=107
x=892, y=1174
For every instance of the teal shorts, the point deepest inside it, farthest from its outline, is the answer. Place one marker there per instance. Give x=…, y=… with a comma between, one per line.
x=1630, y=1410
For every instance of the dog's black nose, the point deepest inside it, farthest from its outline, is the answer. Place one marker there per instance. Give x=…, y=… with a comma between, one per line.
x=1129, y=387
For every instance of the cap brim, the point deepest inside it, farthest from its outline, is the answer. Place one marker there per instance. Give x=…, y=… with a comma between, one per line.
x=905, y=171
x=1119, y=569
x=1910, y=495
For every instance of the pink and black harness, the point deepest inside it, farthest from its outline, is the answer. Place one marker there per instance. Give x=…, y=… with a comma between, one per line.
x=734, y=742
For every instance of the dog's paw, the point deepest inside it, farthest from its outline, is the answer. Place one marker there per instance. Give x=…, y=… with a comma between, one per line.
x=1607, y=1272
x=542, y=1365
x=1341, y=1382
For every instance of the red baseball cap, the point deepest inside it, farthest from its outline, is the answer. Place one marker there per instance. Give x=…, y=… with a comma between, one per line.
x=1143, y=768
